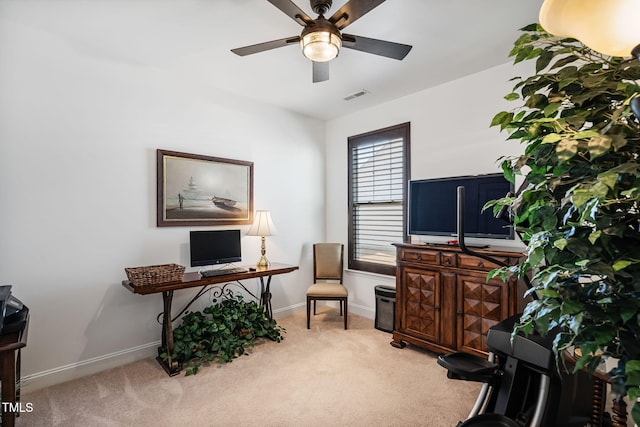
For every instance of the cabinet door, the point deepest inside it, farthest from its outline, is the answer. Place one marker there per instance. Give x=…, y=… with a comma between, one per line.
x=421, y=315
x=481, y=305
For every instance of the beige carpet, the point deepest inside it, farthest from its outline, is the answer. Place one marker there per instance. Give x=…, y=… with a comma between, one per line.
x=324, y=376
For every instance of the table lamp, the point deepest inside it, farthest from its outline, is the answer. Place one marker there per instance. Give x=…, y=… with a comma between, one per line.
x=262, y=226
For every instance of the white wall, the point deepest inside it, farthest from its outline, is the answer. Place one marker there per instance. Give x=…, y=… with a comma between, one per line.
x=450, y=136
x=78, y=138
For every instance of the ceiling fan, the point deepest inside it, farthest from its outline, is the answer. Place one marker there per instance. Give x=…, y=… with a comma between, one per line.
x=321, y=38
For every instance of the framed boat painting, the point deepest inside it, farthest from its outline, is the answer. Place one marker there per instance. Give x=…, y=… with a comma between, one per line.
x=202, y=190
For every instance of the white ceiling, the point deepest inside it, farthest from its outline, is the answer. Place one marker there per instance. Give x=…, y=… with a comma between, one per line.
x=192, y=39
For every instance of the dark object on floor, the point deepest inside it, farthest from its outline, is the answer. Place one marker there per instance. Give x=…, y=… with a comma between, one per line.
x=385, y=308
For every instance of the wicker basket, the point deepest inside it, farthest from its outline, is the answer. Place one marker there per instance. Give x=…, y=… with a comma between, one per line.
x=155, y=274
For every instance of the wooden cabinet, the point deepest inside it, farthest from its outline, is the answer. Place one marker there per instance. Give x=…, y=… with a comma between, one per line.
x=443, y=300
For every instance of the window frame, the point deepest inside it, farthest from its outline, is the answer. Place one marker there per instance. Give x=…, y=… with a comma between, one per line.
x=403, y=131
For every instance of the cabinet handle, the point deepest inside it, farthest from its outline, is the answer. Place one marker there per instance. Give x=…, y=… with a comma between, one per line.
x=436, y=308
x=447, y=261
x=459, y=314
x=419, y=257
x=481, y=264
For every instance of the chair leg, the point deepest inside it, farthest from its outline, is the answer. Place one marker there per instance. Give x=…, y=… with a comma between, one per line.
x=314, y=307
x=308, y=313
x=345, y=313
x=340, y=307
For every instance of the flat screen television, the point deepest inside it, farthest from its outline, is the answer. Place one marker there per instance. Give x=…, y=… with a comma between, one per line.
x=213, y=247
x=433, y=206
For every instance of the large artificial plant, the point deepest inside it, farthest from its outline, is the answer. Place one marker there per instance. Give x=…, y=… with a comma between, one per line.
x=577, y=210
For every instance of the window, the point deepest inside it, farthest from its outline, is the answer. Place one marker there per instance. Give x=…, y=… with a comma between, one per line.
x=378, y=176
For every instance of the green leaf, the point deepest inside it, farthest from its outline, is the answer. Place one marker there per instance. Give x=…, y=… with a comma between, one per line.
x=551, y=109
x=627, y=314
x=503, y=119
x=548, y=293
x=571, y=307
x=618, y=141
x=535, y=257
x=560, y=244
x=608, y=178
x=575, y=322
x=566, y=149
x=536, y=100
x=564, y=61
x=581, y=197
x=586, y=134
x=582, y=262
x=622, y=264
x=566, y=82
x=551, y=138
x=543, y=60
x=599, y=190
x=599, y=145
x=512, y=96
x=635, y=413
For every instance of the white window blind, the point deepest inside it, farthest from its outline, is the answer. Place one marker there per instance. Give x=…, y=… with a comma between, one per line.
x=377, y=200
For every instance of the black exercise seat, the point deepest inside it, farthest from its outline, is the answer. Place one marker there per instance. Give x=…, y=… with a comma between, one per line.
x=464, y=366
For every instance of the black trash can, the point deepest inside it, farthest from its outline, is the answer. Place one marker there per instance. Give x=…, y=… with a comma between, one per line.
x=385, y=308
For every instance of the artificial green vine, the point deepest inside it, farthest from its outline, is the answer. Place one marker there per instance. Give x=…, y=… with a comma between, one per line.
x=578, y=212
x=221, y=331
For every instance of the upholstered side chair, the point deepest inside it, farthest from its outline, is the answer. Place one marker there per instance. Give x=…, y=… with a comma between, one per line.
x=327, y=278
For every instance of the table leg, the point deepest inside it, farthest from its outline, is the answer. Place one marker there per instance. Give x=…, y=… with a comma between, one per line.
x=8, y=378
x=598, y=388
x=265, y=296
x=171, y=366
x=619, y=410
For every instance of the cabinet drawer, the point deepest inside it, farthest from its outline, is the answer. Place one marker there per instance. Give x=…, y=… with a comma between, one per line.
x=475, y=263
x=422, y=256
x=449, y=259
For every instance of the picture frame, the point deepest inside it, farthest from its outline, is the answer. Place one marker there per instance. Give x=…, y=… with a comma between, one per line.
x=197, y=190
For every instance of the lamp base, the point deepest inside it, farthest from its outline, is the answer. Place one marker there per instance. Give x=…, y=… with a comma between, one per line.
x=263, y=262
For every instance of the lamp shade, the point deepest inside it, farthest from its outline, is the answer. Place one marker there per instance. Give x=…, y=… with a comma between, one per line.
x=606, y=26
x=262, y=225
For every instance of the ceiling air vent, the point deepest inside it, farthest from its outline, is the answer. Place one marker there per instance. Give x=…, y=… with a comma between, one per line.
x=356, y=94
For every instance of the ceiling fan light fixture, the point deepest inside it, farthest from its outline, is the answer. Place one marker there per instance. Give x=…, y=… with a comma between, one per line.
x=321, y=46
x=321, y=42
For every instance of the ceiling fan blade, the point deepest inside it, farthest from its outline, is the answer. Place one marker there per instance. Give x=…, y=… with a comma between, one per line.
x=261, y=47
x=351, y=11
x=293, y=11
x=320, y=71
x=377, y=47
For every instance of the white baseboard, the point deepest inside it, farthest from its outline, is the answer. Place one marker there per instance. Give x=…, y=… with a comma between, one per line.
x=94, y=365
x=288, y=311
x=86, y=367
x=360, y=310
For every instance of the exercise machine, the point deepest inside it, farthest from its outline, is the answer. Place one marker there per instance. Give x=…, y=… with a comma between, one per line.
x=522, y=387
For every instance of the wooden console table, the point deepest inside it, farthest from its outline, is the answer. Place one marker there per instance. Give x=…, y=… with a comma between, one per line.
x=192, y=280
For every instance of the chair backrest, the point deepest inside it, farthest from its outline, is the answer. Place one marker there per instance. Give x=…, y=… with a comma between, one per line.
x=328, y=261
